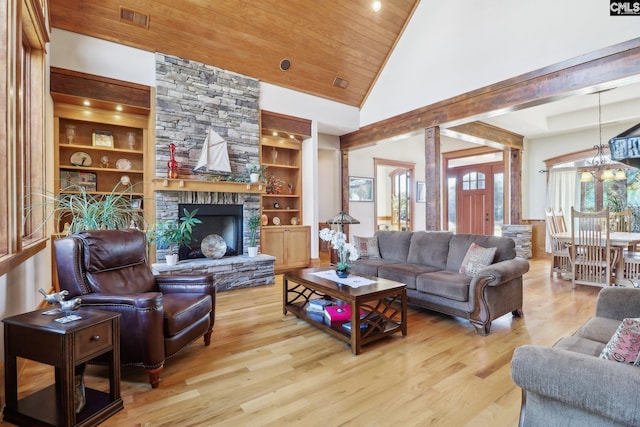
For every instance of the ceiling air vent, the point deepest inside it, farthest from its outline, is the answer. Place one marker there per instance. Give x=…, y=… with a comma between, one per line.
x=133, y=17
x=340, y=82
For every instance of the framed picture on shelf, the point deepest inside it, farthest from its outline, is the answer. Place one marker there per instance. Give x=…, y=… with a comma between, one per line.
x=136, y=203
x=102, y=138
x=421, y=192
x=360, y=189
x=87, y=180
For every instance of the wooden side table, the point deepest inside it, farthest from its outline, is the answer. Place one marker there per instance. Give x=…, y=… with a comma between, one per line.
x=39, y=337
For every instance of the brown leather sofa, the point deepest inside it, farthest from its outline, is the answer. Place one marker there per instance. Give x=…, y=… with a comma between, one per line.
x=161, y=315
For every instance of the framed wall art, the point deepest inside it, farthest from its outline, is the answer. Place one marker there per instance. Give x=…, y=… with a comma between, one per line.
x=360, y=189
x=102, y=138
x=421, y=192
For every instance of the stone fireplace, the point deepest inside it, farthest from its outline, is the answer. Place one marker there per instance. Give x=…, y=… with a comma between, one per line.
x=191, y=98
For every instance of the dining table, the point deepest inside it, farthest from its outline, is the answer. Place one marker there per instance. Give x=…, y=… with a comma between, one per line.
x=617, y=239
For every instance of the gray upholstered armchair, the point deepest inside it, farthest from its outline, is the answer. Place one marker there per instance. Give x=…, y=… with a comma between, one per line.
x=569, y=385
x=161, y=315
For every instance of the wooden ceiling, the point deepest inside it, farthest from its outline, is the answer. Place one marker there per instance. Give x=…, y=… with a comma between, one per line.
x=322, y=39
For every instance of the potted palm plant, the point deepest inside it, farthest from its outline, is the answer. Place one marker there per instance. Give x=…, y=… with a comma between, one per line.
x=80, y=210
x=254, y=225
x=173, y=234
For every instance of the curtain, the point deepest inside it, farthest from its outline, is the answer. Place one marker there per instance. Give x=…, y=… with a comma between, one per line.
x=562, y=194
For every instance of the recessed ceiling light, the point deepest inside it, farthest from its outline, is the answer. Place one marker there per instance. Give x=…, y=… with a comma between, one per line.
x=118, y=107
x=376, y=6
x=86, y=103
x=274, y=133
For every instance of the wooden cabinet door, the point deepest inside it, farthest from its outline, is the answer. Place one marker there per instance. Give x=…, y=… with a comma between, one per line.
x=272, y=242
x=297, y=250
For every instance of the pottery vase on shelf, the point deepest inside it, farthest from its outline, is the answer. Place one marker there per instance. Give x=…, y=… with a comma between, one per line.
x=274, y=155
x=172, y=165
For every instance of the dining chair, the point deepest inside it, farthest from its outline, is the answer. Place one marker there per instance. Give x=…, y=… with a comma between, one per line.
x=561, y=225
x=561, y=262
x=592, y=257
x=621, y=221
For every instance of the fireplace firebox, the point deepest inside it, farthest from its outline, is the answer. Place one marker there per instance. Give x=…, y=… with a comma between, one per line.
x=224, y=220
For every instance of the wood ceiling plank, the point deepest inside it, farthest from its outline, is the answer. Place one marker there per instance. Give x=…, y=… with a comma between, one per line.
x=322, y=39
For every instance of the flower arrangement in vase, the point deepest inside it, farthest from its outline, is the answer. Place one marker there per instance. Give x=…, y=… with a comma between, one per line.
x=274, y=185
x=346, y=251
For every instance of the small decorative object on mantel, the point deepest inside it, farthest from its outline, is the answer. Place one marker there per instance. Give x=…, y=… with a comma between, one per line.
x=214, y=156
x=172, y=165
x=346, y=251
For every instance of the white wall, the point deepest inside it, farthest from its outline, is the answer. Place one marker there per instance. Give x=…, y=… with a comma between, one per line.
x=361, y=164
x=536, y=151
x=450, y=48
x=329, y=177
x=89, y=55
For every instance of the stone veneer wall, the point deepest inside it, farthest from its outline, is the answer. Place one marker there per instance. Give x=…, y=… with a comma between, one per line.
x=190, y=98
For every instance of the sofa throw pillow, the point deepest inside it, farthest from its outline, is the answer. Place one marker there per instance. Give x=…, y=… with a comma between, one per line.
x=367, y=246
x=476, y=258
x=624, y=345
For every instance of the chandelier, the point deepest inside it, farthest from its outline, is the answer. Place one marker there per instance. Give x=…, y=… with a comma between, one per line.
x=601, y=167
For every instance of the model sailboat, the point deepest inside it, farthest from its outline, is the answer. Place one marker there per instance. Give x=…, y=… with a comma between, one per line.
x=214, y=157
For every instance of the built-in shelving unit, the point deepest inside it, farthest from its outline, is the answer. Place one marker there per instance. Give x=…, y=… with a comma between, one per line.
x=101, y=134
x=283, y=233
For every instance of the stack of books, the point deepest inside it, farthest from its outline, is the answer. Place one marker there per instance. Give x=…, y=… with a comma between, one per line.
x=315, y=308
x=339, y=313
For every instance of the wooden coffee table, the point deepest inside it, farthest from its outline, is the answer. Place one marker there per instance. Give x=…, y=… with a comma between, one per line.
x=384, y=303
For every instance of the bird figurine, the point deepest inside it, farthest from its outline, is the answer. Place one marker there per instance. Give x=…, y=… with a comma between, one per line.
x=55, y=297
x=71, y=305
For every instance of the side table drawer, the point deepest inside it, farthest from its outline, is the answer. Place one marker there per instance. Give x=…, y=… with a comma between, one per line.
x=93, y=339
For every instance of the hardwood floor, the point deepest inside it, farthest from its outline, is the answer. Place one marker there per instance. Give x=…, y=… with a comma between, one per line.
x=263, y=368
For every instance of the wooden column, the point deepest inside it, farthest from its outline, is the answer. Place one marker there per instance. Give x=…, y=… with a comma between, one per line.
x=345, y=186
x=432, y=177
x=515, y=185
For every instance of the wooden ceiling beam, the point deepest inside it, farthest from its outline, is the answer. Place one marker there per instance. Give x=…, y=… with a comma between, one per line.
x=604, y=68
x=485, y=134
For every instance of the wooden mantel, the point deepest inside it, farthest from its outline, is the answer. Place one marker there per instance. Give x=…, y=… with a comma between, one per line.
x=166, y=184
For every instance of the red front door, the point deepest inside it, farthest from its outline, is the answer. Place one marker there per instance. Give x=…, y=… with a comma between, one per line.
x=474, y=200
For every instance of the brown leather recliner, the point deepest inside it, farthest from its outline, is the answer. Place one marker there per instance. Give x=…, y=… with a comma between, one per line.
x=160, y=315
